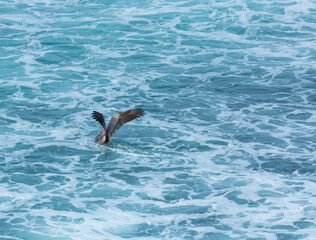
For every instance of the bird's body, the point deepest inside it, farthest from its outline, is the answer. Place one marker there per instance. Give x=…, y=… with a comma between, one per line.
x=117, y=121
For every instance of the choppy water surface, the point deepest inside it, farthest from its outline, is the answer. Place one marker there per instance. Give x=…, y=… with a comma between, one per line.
x=226, y=149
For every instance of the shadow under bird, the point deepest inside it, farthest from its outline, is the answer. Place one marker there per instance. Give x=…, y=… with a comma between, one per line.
x=117, y=121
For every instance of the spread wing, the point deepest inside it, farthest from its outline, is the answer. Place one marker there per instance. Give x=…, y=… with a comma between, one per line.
x=99, y=118
x=119, y=119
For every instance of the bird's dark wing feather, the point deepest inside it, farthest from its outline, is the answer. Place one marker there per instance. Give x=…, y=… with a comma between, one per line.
x=119, y=119
x=98, y=117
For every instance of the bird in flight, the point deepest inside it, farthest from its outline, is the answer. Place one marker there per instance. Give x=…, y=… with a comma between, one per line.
x=117, y=121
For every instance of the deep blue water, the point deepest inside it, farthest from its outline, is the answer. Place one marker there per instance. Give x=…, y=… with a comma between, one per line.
x=225, y=151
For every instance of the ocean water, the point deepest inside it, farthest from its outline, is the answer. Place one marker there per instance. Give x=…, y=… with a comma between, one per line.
x=225, y=151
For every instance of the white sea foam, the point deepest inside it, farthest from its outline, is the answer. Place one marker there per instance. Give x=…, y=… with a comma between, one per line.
x=223, y=148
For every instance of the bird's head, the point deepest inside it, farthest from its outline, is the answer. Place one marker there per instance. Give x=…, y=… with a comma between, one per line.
x=100, y=139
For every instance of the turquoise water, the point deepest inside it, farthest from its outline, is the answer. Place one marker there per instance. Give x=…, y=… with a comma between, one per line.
x=226, y=149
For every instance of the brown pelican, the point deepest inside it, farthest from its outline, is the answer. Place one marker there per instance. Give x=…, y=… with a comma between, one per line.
x=117, y=121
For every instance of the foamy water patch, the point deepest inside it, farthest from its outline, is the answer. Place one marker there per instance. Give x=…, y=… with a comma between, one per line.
x=225, y=150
